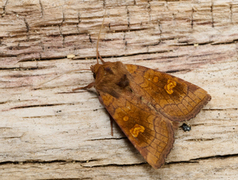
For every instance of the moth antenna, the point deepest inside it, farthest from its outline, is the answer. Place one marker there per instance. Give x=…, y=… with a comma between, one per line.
x=97, y=53
x=67, y=72
x=85, y=87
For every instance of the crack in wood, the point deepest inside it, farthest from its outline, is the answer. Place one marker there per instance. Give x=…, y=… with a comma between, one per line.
x=41, y=8
x=231, y=13
x=47, y=162
x=192, y=14
x=115, y=165
x=128, y=17
x=4, y=8
x=40, y=105
x=212, y=14
x=218, y=109
x=107, y=139
x=129, y=29
x=201, y=139
x=29, y=68
x=178, y=70
x=195, y=160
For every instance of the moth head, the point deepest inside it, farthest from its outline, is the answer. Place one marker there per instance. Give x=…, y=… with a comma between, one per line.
x=94, y=69
x=100, y=70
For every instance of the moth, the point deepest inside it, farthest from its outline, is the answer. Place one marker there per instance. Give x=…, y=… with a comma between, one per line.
x=146, y=103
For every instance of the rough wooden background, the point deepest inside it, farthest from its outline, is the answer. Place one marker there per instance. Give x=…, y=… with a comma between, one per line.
x=52, y=133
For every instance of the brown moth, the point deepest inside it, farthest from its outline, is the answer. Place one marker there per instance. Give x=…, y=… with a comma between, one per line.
x=145, y=103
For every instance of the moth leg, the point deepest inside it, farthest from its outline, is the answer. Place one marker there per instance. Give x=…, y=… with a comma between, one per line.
x=85, y=87
x=111, y=118
x=111, y=121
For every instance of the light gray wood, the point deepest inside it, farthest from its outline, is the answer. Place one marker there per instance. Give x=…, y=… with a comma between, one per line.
x=47, y=131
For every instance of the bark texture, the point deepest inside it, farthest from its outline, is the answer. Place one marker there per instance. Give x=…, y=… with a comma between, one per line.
x=49, y=132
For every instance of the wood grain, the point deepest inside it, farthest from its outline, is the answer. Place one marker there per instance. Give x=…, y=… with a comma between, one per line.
x=50, y=132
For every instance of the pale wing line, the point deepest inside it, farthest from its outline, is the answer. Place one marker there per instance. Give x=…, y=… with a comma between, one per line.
x=180, y=96
x=141, y=70
x=160, y=94
x=172, y=99
x=154, y=137
x=157, y=145
x=160, y=89
x=186, y=100
x=177, y=91
x=157, y=93
x=134, y=120
x=154, y=143
x=196, y=104
x=147, y=86
x=174, y=103
x=200, y=93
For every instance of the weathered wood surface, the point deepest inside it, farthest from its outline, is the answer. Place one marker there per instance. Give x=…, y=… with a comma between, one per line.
x=51, y=132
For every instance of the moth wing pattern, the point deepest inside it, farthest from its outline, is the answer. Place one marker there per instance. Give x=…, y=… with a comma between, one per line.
x=151, y=135
x=176, y=99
